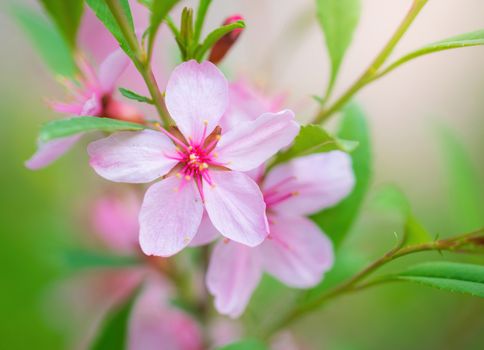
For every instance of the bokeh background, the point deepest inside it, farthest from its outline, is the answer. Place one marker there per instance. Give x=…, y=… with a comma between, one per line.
x=282, y=49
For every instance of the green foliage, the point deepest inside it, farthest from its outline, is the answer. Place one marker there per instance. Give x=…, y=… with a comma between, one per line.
x=391, y=198
x=114, y=330
x=159, y=10
x=464, y=187
x=67, y=16
x=134, y=96
x=67, y=127
x=50, y=44
x=452, y=277
x=200, y=19
x=79, y=259
x=215, y=36
x=337, y=221
x=248, y=344
x=312, y=139
x=338, y=19
x=464, y=40
x=102, y=11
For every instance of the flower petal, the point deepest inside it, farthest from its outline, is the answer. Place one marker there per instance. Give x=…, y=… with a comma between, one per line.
x=253, y=142
x=206, y=232
x=196, y=97
x=297, y=252
x=111, y=69
x=134, y=157
x=318, y=181
x=236, y=207
x=233, y=274
x=51, y=151
x=170, y=216
x=154, y=324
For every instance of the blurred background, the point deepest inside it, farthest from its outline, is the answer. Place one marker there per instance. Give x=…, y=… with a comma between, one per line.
x=282, y=49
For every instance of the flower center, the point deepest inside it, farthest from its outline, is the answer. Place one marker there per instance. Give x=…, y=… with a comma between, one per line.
x=279, y=192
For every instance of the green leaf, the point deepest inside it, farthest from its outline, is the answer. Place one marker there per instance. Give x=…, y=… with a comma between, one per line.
x=159, y=10
x=247, y=344
x=338, y=19
x=102, y=11
x=113, y=333
x=134, y=96
x=215, y=36
x=453, y=277
x=391, y=198
x=312, y=139
x=49, y=43
x=67, y=127
x=78, y=259
x=464, y=186
x=67, y=16
x=337, y=221
x=464, y=40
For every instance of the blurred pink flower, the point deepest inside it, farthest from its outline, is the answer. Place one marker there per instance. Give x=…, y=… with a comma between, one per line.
x=209, y=164
x=296, y=251
x=153, y=320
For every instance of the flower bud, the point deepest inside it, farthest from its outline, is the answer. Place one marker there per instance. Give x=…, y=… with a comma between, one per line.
x=221, y=47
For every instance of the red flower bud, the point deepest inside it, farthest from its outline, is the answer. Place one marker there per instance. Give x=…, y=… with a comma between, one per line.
x=221, y=47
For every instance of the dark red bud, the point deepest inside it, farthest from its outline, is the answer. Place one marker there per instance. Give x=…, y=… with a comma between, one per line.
x=220, y=49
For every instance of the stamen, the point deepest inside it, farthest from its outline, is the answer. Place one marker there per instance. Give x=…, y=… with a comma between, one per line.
x=173, y=137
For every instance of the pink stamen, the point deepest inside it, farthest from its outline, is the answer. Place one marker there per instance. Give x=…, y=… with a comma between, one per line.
x=273, y=189
x=174, y=138
x=273, y=201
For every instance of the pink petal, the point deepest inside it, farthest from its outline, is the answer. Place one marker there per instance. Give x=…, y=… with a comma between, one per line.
x=252, y=143
x=206, y=232
x=169, y=217
x=246, y=103
x=232, y=276
x=296, y=252
x=92, y=106
x=66, y=108
x=196, y=97
x=115, y=220
x=51, y=151
x=155, y=325
x=111, y=69
x=318, y=181
x=134, y=157
x=236, y=207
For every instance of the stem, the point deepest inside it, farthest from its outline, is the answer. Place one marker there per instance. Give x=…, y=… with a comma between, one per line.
x=140, y=60
x=371, y=72
x=352, y=285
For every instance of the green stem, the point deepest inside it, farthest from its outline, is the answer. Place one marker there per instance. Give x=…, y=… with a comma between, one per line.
x=352, y=285
x=140, y=60
x=371, y=72
x=201, y=14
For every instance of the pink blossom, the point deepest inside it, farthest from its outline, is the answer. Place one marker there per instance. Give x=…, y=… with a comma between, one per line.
x=296, y=252
x=153, y=320
x=207, y=161
x=93, y=97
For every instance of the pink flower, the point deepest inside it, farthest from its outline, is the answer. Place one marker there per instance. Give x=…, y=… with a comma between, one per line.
x=94, y=97
x=296, y=252
x=153, y=320
x=209, y=164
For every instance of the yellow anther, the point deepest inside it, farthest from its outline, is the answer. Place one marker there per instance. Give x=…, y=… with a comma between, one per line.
x=204, y=165
x=295, y=193
x=215, y=154
x=178, y=175
x=205, y=122
x=188, y=177
x=190, y=148
x=192, y=156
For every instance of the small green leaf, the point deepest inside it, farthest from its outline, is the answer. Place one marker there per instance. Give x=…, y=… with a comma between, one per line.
x=464, y=40
x=102, y=11
x=338, y=19
x=464, y=187
x=78, y=259
x=134, y=96
x=67, y=16
x=453, y=277
x=67, y=127
x=337, y=221
x=113, y=333
x=50, y=44
x=215, y=36
x=159, y=10
x=247, y=344
x=415, y=232
x=312, y=139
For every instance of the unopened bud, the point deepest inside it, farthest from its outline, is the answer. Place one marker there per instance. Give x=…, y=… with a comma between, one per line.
x=221, y=47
